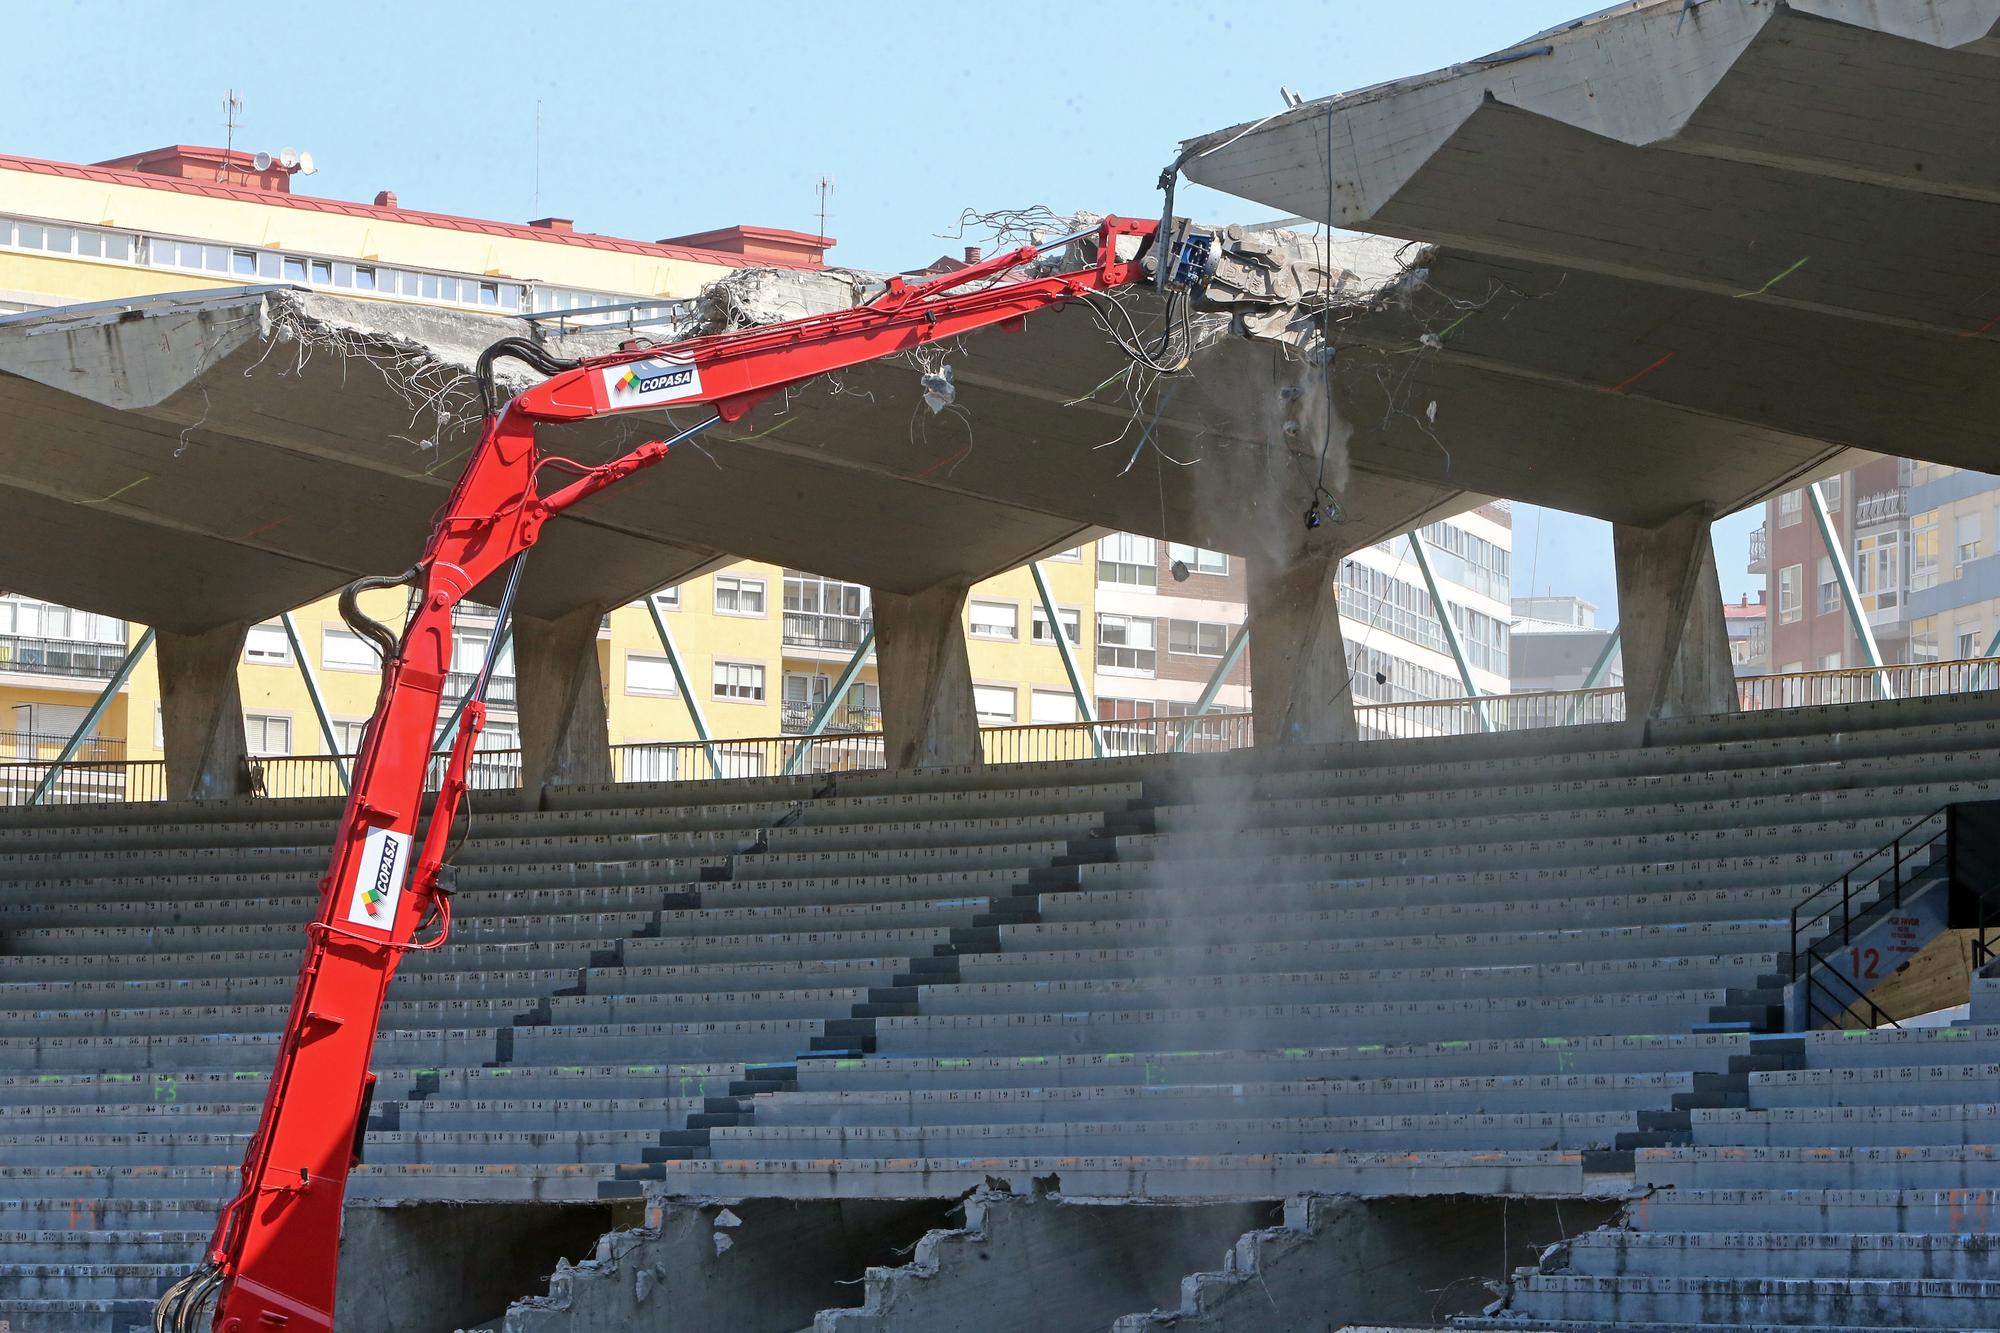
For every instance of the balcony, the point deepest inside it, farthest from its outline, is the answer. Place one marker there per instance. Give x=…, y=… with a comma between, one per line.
x=1760, y=551
x=822, y=633
x=499, y=690
x=797, y=719
x=1882, y=507
x=60, y=657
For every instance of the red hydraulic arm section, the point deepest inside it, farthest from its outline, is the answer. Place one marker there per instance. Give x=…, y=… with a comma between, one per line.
x=272, y=1262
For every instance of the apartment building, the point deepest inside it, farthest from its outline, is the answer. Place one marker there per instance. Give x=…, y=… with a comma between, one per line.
x=1919, y=540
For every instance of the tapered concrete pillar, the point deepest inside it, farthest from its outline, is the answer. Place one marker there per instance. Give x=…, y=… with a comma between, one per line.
x=1675, y=640
x=1299, y=688
x=928, y=717
x=565, y=736
x=201, y=712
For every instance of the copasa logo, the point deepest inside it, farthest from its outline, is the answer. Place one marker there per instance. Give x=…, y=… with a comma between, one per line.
x=644, y=383
x=374, y=895
x=655, y=379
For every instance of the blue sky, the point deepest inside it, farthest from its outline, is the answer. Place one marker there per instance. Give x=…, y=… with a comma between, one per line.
x=662, y=119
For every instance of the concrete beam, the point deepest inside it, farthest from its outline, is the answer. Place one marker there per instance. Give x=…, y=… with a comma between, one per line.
x=928, y=718
x=565, y=735
x=1670, y=619
x=1298, y=671
x=201, y=712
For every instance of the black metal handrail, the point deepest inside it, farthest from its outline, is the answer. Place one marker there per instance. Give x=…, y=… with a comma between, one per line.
x=1841, y=898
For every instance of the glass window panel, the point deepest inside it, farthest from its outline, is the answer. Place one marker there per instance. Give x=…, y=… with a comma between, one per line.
x=118, y=247
x=28, y=236
x=322, y=271
x=90, y=244
x=243, y=262
x=295, y=269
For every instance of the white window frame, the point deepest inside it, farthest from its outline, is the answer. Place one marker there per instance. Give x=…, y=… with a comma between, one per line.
x=1011, y=633
x=263, y=721
x=275, y=648
x=1790, y=606
x=1072, y=622
x=646, y=661
x=1039, y=698
x=1198, y=626
x=331, y=659
x=982, y=695
x=739, y=584
x=1124, y=626
x=1199, y=559
x=1791, y=508
x=734, y=694
x=668, y=599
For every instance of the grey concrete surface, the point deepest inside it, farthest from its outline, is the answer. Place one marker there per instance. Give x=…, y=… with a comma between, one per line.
x=1298, y=659
x=1038, y=1264
x=1670, y=619
x=201, y=711
x=560, y=686
x=928, y=715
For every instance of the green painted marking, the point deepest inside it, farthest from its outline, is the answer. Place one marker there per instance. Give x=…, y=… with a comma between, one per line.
x=847, y=1063
x=1455, y=1045
x=958, y=1063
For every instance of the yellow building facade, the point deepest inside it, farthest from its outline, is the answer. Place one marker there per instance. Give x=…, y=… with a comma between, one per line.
x=760, y=648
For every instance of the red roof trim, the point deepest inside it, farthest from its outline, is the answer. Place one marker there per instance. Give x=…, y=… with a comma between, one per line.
x=518, y=231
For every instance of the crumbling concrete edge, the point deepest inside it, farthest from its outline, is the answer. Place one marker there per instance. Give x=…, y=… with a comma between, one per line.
x=1205, y=1292
x=882, y=1287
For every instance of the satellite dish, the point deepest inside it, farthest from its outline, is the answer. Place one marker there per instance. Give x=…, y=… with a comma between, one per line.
x=288, y=158
x=262, y=161
x=306, y=162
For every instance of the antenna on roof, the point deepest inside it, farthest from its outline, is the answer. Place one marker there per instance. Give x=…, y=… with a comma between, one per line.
x=824, y=185
x=232, y=107
x=306, y=164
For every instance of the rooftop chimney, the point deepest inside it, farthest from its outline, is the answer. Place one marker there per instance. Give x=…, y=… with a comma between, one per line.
x=385, y=199
x=564, y=226
x=972, y=254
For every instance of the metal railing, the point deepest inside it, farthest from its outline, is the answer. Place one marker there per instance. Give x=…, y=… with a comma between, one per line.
x=103, y=776
x=60, y=657
x=500, y=690
x=1874, y=882
x=31, y=746
x=1760, y=550
x=834, y=634
x=1882, y=506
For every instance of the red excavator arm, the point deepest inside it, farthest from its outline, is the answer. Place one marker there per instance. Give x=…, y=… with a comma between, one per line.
x=273, y=1260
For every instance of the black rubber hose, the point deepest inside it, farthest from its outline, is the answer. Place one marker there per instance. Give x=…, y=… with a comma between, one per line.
x=360, y=622
x=518, y=349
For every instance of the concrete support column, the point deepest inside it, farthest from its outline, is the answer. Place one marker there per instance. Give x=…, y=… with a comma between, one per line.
x=1299, y=688
x=201, y=712
x=565, y=736
x=1676, y=642
x=928, y=718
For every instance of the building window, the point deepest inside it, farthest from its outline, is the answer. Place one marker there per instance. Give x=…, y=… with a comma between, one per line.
x=1197, y=638
x=1073, y=554
x=668, y=599
x=1830, y=662
x=1125, y=643
x=995, y=704
x=1136, y=734
x=1829, y=587
x=267, y=733
x=1124, y=558
x=740, y=761
x=1788, y=594
x=1925, y=549
x=995, y=620
x=739, y=682
x=1829, y=491
x=825, y=613
x=649, y=762
x=649, y=674
x=1876, y=573
x=266, y=645
x=1072, y=623
x=342, y=651
x=1198, y=559
x=737, y=596
x=1968, y=642
x=1965, y=536
x=1051, y=706
x=1791, y=508
x=348, y=735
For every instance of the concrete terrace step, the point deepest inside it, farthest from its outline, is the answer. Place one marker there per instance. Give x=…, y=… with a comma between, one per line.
x=1169, y=1029
x=1898, y=1210
x=1812, y=1302
x=1589, y=1130
x=1569, y=1093
x=219, y=1048
x=1941, y=1125
x=1794, y=1254
x=101, y=1191
x=1507, y=1057
x=89, y=1281
x=1958, y=1166
x=1257, y=1176
x=54, y=1246
x=1877, y=1085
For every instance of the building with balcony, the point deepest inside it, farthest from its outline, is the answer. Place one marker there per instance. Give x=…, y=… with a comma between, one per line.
x=1809, y=627
x=1954, y=604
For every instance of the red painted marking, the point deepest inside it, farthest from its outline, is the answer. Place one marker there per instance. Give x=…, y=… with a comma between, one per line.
x=1987, y=327
x=1622, y=385
x=261, y=530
